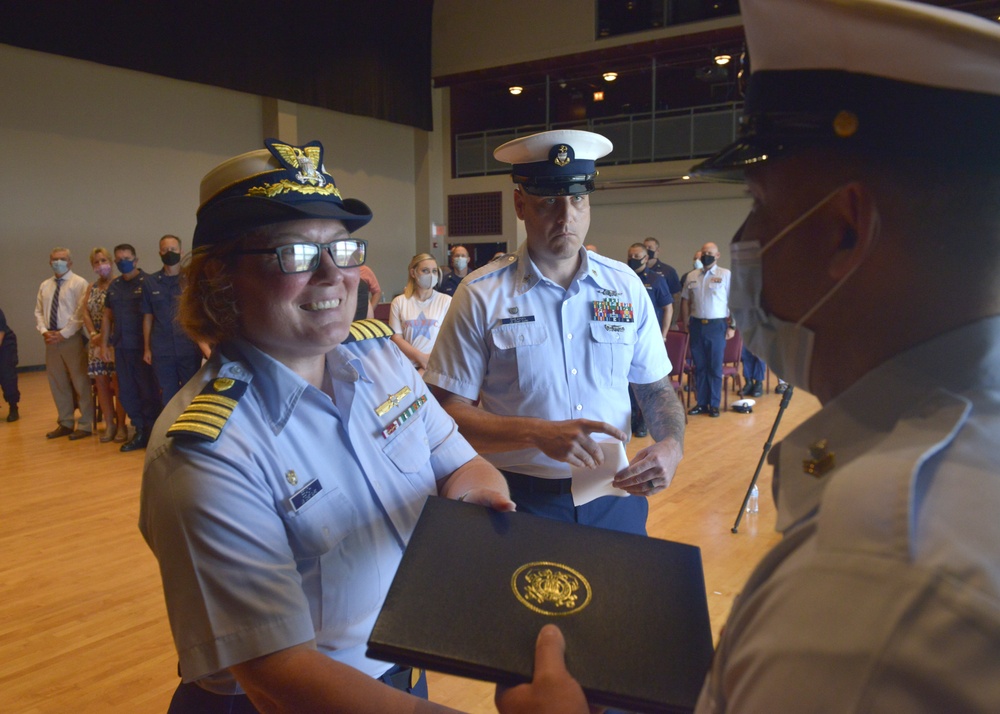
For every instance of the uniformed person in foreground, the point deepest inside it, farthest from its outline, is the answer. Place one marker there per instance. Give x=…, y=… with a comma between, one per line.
x=549, y=339
x=869, y=148
x=283, y=481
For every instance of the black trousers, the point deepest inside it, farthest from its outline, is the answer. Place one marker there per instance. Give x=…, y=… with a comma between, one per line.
x=8, y=370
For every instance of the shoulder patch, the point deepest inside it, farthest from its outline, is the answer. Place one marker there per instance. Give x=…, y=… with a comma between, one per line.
x=367, y=330
x=208, y=413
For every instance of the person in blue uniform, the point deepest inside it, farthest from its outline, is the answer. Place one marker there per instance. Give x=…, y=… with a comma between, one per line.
x=655, y=265
x=283, y=482
x=122, y=329
x=8, y=368
x=663, y=301
x=460, y=267
x=884, y=593
x=548, y=340
x=174, y=356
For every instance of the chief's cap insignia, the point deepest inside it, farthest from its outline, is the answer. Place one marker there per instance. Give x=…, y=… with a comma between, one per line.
x=223, y=383
x=562, y=155
x=551, y=588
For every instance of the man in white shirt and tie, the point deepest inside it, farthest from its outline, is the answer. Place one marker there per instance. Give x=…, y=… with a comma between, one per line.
x=58, y=319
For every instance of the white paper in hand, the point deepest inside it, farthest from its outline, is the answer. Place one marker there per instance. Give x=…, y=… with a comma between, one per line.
x=589, y=484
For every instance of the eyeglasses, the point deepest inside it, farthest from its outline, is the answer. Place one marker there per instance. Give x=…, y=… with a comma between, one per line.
x=305, y=257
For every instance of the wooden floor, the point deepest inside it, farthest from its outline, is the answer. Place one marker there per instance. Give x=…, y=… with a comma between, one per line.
x=82, y=621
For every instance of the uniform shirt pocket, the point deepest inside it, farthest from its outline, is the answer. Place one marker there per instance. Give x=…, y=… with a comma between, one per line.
x=522, y=353
x=612, y=347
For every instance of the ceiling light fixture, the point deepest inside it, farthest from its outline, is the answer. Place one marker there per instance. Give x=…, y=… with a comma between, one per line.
x=610, y=76
x=598, y=96
x=722, y=59
x=515, y=90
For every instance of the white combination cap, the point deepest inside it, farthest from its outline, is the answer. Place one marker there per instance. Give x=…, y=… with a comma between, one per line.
x=555, y=163
x=883, y=77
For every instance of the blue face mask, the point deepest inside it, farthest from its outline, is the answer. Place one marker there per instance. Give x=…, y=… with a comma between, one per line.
x=59, y=266
x=125, y=266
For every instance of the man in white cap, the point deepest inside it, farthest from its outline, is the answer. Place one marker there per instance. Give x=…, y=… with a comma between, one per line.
x=869, y=148
x=548, y=340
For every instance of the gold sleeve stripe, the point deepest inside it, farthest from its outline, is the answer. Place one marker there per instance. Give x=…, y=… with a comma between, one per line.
x=191, y=416
x=183, y=428
x=215, y=399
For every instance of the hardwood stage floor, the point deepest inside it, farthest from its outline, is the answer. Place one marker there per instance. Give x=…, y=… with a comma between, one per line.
x=82, y=622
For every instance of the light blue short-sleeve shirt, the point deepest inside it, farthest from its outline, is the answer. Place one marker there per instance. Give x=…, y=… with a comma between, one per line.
x=525, y=346
x=290, y=526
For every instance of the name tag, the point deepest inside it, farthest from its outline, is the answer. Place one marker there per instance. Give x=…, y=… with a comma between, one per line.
x=515, y=320
x=305, y=494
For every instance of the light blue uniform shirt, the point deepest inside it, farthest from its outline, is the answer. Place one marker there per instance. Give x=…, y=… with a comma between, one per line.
x=291, y=525
x=537, y=350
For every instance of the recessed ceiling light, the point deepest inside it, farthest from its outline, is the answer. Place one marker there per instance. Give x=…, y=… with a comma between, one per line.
x=722, y=59
x=610, y=76
x=515, y=90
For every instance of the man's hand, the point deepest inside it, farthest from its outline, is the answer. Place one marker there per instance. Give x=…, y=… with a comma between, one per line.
x=570, y=441
x=552, y=690
x=53, y=337
x=651, y=470
x=490, y=498
x=147, y=356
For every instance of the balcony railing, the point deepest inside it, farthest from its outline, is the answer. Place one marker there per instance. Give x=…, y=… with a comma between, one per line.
x=638, y=138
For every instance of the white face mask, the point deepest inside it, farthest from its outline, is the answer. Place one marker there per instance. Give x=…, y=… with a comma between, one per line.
x=697, y=264
x=786, y=347
x=461, y=263
x=428, y=280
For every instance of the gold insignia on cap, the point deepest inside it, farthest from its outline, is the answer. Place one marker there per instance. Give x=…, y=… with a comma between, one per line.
x=551, y=588
x=822, y=462
x=562, y=156
x=291, y=477
x=392, y=401
x=845, y=124
x=223, y=383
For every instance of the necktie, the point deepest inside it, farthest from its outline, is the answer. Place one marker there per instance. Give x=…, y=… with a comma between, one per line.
x=54, y=310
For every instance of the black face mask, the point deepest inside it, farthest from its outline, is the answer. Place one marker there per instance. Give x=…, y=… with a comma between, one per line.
x=707, y=260
x=635, y=263
x=170, y=258
x=649, y=253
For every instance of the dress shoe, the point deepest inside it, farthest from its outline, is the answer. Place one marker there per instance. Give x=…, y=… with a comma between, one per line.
x=700, y=409
x=138, y=441
x=79, y=434
x=713, y=411
x=110, y=431
x=13, y=416
x=747, y=388
x=757, y=390
x=61, y=431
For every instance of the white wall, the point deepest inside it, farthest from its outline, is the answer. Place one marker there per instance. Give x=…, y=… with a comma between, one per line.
x=93, y=155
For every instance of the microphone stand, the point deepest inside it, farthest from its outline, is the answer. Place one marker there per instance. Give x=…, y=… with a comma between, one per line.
x=785, y=398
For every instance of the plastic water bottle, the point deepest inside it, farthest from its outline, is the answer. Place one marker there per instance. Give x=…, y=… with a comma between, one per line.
x=752, y=501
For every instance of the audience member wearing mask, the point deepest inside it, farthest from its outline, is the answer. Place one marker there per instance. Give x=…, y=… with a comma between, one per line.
x=659, y=293
x=122, y=330
x=459, y=269
x=99, y=369
x=416, y=315
x=57, y=318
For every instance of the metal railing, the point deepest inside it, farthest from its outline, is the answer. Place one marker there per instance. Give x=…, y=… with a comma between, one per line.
x=638, y=138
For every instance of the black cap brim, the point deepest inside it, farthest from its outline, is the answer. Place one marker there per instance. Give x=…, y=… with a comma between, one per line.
x=232, y=217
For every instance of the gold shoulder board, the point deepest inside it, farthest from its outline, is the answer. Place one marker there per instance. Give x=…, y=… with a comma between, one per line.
x=368, y=330
x=208, y=413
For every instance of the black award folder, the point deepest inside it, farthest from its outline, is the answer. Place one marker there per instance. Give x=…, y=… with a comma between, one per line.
x=475, y=587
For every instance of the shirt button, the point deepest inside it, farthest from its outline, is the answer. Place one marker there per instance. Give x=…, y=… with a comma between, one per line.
x=573, y=371
x=569, y=335
x=579, y=407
